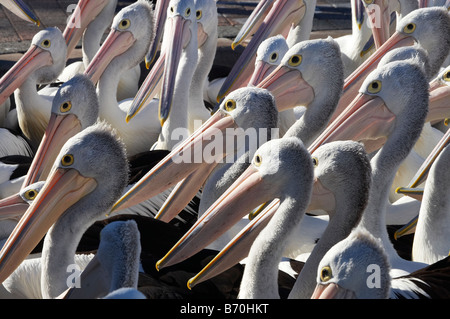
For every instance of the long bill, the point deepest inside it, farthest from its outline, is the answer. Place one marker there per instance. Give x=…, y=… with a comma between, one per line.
x=85, y=12
x=184, y=159
x=160, y=20
x=63, y=188
x=282, y=14
x=33, y=59
x=12, y=207
x=179, y=34
x=60, y=128
x=246, y=193
x=367, y=120
x=288, y=87
x=379, y=19
x=20, y=9
x=354, y=81
x=439, y=103
x=117, y=43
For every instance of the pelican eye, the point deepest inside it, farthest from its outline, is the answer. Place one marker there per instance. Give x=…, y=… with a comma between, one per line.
x=258, y=160
x=230, y=105
x=295, y=60
x=198, y=14
x=46, y=43
x=409, y=28
x=368, y=1
x=315, y=161
x=30, y=194
x=67, y=160
x=325, y=274
x=187, y=13
x=65, y=107
x=374, y=87
x=273, y=57
x=124, y=24
x=172, y=9
x=446, y=76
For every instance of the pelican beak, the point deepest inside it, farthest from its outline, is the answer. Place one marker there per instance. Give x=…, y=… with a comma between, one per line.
x=238, y=248
x=160, y=20
x=422, y=174
x=332, y=291
x=354, y=81
x=117, y=43
x=409, y=228
x=379, y=25
x=60, y=128
x=367, y=120
x=20, y=9
x=246, y=193
x=63, y=188
x=183, y=192
x=288, y=87
x=282, y=15
x=262, y=69
x=35, y=58
x=359, y=13
x=149, y=88
x=439, y=104
x=184, y=159
x=85, y=12
x=12, y=207
x=179, y=33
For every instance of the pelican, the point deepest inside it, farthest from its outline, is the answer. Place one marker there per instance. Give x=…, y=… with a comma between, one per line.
x=335, y=164
x=20, y=9
x=74, y=107
x=42, y=63
x=279, y=17
x=115, y=264
x=428, y=26
x=384, y=108
x=125, y=46
x=89, y=21
x=344, y=271
x=82, y=172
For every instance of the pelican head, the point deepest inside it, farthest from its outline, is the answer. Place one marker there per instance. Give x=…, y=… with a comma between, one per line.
x=344, y=271
x=74, y=108
x=14, y=206
x=43, y=62
x=131, y=32
x=89, y=174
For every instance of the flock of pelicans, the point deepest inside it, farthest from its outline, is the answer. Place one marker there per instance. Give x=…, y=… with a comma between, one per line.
x=344, y=196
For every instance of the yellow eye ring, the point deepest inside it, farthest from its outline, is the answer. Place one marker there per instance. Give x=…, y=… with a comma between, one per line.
x=198, y=14
x=368, y=1
x=374, y=87
x=46, y=43
x=325, y=274
x=187, y=13
x=446, y=76
x=124, y=24
x=295, y=60
x=409, y=28
x=230, y=105
x=315, y=161
x=257, y=160
x=273, y=57
x=67, y=160
x=65, y=107
x=30, y=194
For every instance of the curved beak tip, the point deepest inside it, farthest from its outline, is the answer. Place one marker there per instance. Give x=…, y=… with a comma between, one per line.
x=189, y=284
x=158, y=263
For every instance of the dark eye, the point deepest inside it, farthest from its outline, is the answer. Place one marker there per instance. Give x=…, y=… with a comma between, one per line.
x=31, y=194
x=409, y=28
x=446, y=76
x=187, y=13
x=325, y=274
x=65, y=107
x=274, y=57
x=46, y=43
x=198, y=14
x=124, y=24
x=374, y=87
x=67, y=160
x=230, y=105
x=295, y=60
x=258, y=160
x=315, y=161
